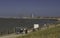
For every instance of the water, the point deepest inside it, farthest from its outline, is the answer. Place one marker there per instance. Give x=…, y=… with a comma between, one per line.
x=9, y=24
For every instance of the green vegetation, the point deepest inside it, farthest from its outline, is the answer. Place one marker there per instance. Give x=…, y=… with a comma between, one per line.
x=48, y=33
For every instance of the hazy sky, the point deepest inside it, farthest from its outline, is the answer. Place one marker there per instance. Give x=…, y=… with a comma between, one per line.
x=27, y=7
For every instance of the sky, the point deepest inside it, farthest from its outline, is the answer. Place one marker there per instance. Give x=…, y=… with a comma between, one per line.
x=18, y=8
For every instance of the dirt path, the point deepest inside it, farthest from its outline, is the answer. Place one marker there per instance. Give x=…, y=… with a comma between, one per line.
x=11, y=36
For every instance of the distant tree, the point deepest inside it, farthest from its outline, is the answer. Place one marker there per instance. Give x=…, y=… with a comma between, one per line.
x=38, y=16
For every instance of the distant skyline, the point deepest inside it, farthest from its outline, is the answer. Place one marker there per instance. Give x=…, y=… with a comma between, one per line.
x=18, y=8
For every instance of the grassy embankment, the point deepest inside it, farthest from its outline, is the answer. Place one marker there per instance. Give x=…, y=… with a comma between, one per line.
x=48, y=33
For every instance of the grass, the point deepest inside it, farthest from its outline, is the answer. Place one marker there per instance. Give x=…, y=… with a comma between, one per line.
x=48, y=33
